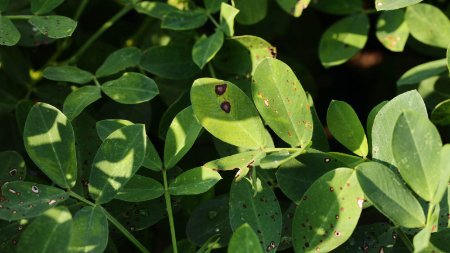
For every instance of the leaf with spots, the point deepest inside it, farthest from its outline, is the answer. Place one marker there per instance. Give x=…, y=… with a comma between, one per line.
x=440, y=240
x=227, y=113
x=10, y=233
x=12, y=167
x=227, y=15
x=90, y=231
x=392, y=30
x=261, y=212
x=39, y=7
x=384, y=5
x=370, y=120
x=131, y=88
x=294, y=7
x=277, y=159
x=328, y=213
x=194, y=181
x=80, y=99
x=344, y=39
x=22, y=200
x=54, y=26
x=240, y=55
x=441, y=114
x=119, y=61
x=286, y=231
x=339, y=7
x=213, y=6
x=181, y=103
x=206, y=48
x=154, y=9
x=139, y=189
x=30, y=35
x=49, y=232
x=9, y=35
x=68, y=74
x=245, y=240
x=422, y=72
x=184, y=20
x=389, y=195
x=50, y=143
x=251, y=11
x=118, y=158
x=282, y=102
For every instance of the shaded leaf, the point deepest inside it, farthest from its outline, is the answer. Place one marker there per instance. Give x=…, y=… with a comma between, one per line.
x=349, y=160
x=251, y=11
x=227, y=15
x=181, y=103
x=422, y=239
x=119, y=60
x=183, y=246
x=7, y=102
x=131, y=88
x=11, y=232
x=68, y=74
x=441, y=114
x=54, y=26
x=80, y=99
x=206, y=48
x=286, y=231
x=139, y=189
x=319, y=136
x=23, y=107
x=213, y=6
x=194, y=181
x=9, y=35
x=440, y=240
x=30, y=35
x=12, y=167
x=3, y=5
x=154, y=9
x=39, y=7
x=276, y=159
x=184, y=20
x=423, y=71
x=207, y=247
x=392, y=30
x=244, y=240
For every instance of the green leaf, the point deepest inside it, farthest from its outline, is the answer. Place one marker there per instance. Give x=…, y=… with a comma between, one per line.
x=7, y=102
x=54, y=26
x=181, y=136
x=422, y=239
x=12, y=167
x=251, y=11
x=23, y=107
x=194, y=181
x=394, y=4
x=90, y=231
x=68, y=74
x=39, y=7
x=80, y=99
x=50, y=143
x=370, y=120
x=213, y=6
x=184, y=20
x=319, y=136
x=416, y=145
x=131, y=88
x=328, y=212
x=49, y=232
x=239, y=161
x=440, y=240
x=11, y=232
x=434, y=90
x=286, y=232
x=118, y=158
x=344, y=39
x=3, y=5
x=345, y=126
x=441, y=114
x=261, y=212
x=282, y=102
x=154, y=9
x=349, y=160
x=227, y=15
x=227, y=113
x=173, y=61
x=207, y=247
x=234, y=56
x=422, y=72
x=206, y=48
x=340, y=7
x=139, y=189
x=428, y=25
x=392, y=30
x=389, y=195
x=184, y=246
x=444, y=179
x=119, y=60
x=276, y=159
x=294, y=7
x=245, y=240
x=26, y=200
x=8, y=33
x=181, y=103
x=384, y=123
x=30, y=36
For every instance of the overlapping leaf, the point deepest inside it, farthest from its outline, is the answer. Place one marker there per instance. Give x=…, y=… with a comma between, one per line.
x=392, y=30
x=441, y=114
x=245, y=240
x=423, y=71
x=227, y=15
x=39, y=7
x=251, y=11
x=154, y=9
x=68, y=74
x=206, y=48
x=394, y=4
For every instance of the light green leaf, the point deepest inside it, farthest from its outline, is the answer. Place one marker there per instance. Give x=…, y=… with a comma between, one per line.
x=39, y=7
x=54, y=26
x=194, y=181
x=349, y=160
x=184, y=20
x=90, y=231
x=50, y=143
x=394, y=4
x=422, y=239
x=119, y=60
x=49, y=232
x=118, y=158
x=80, y=99
x=294, y=7
x=345, y=126
x=245, y=240
x=443, y=179
x=131, y=88
x=441, y=114
x=277, y=159
x=342, y=40
x=139, y=189
x=23, y=107
x=68, y=74
x=154, y=9
x=251, y=11
x=9, y=35
x=12, y=167
x=240, y=161
x=428, y=25
x=389, y=195
x=227, y=15
x=206, y=48
x=339, y=7
x=213, y=6
x=370, y=120
x=423, y=71
x=392, y=30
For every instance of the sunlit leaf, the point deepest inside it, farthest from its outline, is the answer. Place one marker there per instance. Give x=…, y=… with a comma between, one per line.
x=119, y=60
x=370, y=120
x=245, y=240
x=423, y=71
x=154, y=9
x=227, y=15
x=180, y=104
x=206, y=48
x=294, y=7
x=392, y=30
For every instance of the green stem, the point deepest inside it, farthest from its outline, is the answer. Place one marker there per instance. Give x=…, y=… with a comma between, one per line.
x=80, y=10
x=213, y=20
x=19, y=16
x=97, y=83
x=370, y=11
x=111, y=245
x=430, y=213
x=211, y=70
x=169, y=212
x=405, y=239
x=73, y=194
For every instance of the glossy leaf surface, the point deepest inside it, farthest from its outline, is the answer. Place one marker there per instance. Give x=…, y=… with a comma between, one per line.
x=194, y=181
x=119, y=60
x=131, y=88
x=80, y=99
x=244, y=240
x=68, y=74
x=392, y=30
x=54, y=26
x=139, y=189
x=370, y=120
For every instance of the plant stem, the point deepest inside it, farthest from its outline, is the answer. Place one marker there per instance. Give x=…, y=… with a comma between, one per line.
x=169, y=212
x=211, y=70
x=96, y=82
x=405, y=239
x=80, y=10
x=73, y=194
x=213, y=20
x=430, y=213
x=19, y=16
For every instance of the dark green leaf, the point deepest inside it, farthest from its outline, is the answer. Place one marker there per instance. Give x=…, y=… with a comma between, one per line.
x=12, y=167
x=349, y=160
x=30, y=35
x=441, y=114
x=9, y=35
x=294, y=7
x=181, y=103
x=213, y=6
x=245, y=240
x=392, y=30
x=319, y=136
x=39, y=7
x=7, y=102
x=286, y=232
x=11, y=232
x=54, y=26
x=206, y=48
x=184, y=20
x=68, y=74
x=208, y=246
x=251, y=11
x=394, y=4
x=139, y=189
x=443, y=180
x=23, y=107
x=131, y=88
x=119, y=60
x=194, y=181
x=80, y=99
x=440, y=240
x=340, y=7
x=227, y=15
x=423, y=71
x=154, y=9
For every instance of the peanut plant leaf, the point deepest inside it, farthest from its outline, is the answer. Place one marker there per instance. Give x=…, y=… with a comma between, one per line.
x=422, y=239
x=384, y=123
x=9, y=35
x=50, y=232
x=286, y=232
x=80, y=99
x=68, y=74
x=50, y=143
x=342, y=40
x=294, y=7
x=180, y=104
x=443, y=180
x=3, y=5
x=245, y=240
x=194, y=181
x=54, y=27
x=213, y=6
x=261, y=212
x=349, y=160
x=181, y=136
x=319, y=136
x=184, y=20
x=389, y=195
x=227, y=113
x=12, y=167
x=251, y=11
x=441, y=114
x=340, y=7
x=26, y=199
x=154, y=9
x=392, y=30
x=422, y=72
x=328, y=212
x=183, y=246
x=428, y=25
x=439, y=240
x=131, y=88
x=345, y=126
x=139, y=189
x=208, y=246
x=234, y=55
x=227, y=15
x=22, y=109
x=281, y=157
x=282, y=102
x=416, y=146
x=173, y=61
x=385, y=5
x=206, y=48
x=370, y=120
x=89, y=231
x=118, y=158
x=39, y=7
x=119, y=60
x=11, y=233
